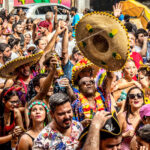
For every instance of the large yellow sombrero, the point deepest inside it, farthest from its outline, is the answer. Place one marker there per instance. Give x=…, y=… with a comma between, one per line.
x=103, y=39
x=8, y=70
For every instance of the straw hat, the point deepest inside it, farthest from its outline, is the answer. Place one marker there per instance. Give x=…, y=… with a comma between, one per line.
x=82, y=64
x=8, y=70
x=103, y=39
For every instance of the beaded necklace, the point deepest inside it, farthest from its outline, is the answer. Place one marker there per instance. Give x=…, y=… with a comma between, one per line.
x=87, y=110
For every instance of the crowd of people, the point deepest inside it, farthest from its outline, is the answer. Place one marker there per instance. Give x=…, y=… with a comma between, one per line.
x=52, y=97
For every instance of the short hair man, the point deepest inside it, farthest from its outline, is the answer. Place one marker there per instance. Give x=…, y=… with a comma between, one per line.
x=62, y=132
x=17, y=29
x=141, y=42
x=7, y=54
x=76, y=18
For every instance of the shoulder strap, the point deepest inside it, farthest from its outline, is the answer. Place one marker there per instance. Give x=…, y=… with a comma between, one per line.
x=29, y=136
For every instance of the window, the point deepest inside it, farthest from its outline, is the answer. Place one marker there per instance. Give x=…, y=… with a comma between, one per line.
x=61, y=10
x=43, y=10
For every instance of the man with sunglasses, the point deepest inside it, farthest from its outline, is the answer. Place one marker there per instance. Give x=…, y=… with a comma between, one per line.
x=88, y=102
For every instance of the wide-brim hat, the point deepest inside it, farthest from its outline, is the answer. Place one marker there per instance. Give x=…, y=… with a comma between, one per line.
x=103, y=39
x=146, y=67
x=111, y=127
x=8, y=70
x=82, y=64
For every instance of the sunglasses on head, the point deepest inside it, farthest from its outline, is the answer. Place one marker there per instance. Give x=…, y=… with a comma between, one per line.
x=133, y=96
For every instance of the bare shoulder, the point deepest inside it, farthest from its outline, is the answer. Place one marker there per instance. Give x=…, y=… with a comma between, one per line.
x=121, y=116
x=25, y=142
x=25, y=138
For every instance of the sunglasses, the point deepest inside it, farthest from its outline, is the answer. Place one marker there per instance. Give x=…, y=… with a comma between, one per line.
x=133, y=96
x=14, y=102
x=88, y=82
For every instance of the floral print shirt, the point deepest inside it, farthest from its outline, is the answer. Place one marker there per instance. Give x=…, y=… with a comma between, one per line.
x=49, y=139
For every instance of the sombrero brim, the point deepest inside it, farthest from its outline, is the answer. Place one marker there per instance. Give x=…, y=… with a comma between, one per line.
x=103, y=39
x=8, y=70
x=76, y=73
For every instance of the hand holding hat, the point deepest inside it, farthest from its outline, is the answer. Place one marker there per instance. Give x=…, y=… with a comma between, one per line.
x=104, y=122
x=99, y=123
x=103, y=39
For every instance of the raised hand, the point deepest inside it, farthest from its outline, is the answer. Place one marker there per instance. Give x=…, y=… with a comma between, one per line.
x=100, y=119
x=55, y=8
x=60, y=29
x=117, y=9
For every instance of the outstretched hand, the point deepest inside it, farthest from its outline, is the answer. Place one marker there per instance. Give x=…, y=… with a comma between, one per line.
x=117, y=9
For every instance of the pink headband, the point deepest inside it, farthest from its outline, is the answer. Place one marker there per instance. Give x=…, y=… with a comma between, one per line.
x=12, y=89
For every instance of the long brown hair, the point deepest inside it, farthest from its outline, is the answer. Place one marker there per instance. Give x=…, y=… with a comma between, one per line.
x=127, y=106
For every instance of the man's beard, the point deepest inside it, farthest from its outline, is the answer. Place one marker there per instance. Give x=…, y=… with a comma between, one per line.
x=89, y=94
x=66, y=127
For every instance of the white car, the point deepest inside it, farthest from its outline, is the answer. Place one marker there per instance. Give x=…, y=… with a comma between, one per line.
x=38, y=10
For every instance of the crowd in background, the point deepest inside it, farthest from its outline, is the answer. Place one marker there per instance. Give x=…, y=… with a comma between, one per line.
x=50, y=97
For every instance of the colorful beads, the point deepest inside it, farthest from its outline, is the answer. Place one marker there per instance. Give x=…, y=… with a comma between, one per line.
x=116, y=55
x=38, y=103
x=113, y=32
x=82, y=44
x=89, y=28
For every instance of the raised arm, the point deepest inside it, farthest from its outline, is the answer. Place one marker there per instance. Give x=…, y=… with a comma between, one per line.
x=65, y=47
x=51, y=44
x=48, y=81
x=68, y=16
x=55, y=17
x=144, y=47
x=36, y=21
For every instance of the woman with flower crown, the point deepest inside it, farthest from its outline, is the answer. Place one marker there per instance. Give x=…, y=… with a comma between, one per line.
x=38, y=111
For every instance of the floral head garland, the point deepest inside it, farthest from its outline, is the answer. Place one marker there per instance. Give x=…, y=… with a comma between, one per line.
x=12, y=89
x=37, y=103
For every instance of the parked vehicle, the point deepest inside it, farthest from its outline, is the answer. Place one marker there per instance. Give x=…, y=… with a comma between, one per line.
x=38, y=10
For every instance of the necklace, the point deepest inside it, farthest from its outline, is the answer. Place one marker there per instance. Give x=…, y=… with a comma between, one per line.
x=87, y=110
